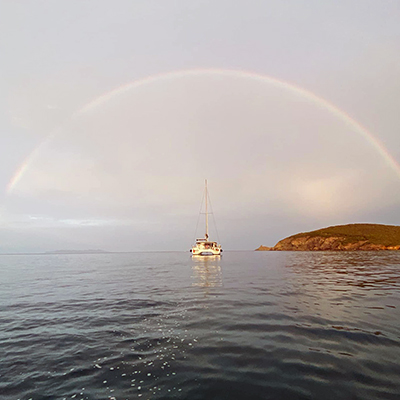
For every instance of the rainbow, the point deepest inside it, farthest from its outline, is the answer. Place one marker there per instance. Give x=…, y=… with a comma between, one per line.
x=318, y=101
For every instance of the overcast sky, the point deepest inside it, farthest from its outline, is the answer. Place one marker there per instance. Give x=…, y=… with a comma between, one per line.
x=112, y=114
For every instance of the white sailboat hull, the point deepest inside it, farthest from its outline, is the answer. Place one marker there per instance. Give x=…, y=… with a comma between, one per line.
x=200, y=251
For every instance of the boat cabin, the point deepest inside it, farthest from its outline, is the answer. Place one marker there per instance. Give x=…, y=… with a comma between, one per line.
x=205, y=243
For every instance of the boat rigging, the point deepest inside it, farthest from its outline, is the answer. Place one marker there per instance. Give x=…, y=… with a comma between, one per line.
x=204, y=246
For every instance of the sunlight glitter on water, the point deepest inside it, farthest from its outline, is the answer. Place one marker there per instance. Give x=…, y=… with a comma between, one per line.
x=159, y=326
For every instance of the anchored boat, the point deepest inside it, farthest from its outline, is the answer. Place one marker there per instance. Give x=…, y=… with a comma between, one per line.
x=204, y=246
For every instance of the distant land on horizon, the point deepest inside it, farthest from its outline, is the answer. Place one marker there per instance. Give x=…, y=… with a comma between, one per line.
x=54, y=252
x=351, y=237
x=88, y=251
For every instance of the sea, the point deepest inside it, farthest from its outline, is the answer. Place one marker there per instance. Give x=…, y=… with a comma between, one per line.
x=164, y=325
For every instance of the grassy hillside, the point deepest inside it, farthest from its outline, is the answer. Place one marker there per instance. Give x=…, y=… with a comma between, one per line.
x=387, y=235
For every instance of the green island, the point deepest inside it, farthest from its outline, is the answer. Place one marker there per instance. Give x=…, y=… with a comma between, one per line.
x=352, y=237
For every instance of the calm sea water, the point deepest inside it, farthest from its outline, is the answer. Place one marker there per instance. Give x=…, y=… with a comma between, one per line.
x=249, y=325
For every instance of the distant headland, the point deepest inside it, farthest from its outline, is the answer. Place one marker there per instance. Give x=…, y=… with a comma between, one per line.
x=352, y=237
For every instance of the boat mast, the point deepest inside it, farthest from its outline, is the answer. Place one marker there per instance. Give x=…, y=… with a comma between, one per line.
x=206, y=213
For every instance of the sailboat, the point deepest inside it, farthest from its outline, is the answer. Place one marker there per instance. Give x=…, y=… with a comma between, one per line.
x=204, y=246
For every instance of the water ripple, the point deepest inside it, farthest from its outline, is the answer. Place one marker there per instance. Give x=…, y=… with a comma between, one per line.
x=163, y=326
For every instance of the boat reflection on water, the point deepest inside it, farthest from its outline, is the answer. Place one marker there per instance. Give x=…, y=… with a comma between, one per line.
x=207, y=271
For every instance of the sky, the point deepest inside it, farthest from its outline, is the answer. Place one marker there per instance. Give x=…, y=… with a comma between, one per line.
x=112, y=115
